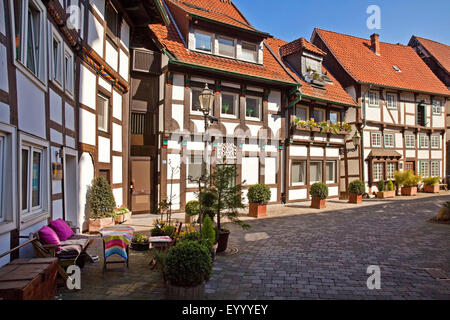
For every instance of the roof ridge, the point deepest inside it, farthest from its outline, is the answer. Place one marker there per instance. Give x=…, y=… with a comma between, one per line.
x=365, y=39
x=444, y=44
x=218, y=12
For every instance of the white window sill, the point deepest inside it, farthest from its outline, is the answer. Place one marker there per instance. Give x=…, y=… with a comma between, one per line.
x=30, y=75
x=252, y=119
x=7, y=226
x=197, y=113
x=298, y=184
x=330, y=182
x=32, y=218
x=228, y=116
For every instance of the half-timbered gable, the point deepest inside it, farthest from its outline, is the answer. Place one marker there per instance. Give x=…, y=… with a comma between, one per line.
x=402, y=105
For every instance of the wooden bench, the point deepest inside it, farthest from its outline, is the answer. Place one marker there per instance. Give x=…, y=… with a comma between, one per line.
x=443, y=186
x=50, y=251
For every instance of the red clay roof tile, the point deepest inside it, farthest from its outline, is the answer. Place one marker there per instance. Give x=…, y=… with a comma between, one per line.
x=440, y=51
x=356, y=56
x=298, y=45
x=332, y=92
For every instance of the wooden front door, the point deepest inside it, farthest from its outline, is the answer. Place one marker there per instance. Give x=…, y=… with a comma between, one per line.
x=410, y=165
x=141, y=184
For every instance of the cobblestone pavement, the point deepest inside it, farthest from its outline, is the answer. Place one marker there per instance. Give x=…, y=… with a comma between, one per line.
x=315, y=255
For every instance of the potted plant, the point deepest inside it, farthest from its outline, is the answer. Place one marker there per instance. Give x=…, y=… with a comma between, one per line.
x=228, y=201
x=140, y=242
x=356, y=190
x=126, y=213
x=118, y=217
x=408, y=181
x=318, y=192
x=192, y=209
x=258, y=196
x=188, y=266
x=382, y=192
x=208, y=235
x=101, y=204
x=431, y=184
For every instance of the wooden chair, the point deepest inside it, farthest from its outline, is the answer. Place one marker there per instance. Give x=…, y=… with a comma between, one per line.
x=49, y=251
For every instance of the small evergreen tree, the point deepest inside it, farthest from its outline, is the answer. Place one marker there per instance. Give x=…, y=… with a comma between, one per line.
x=208, y=232
x=100, y=198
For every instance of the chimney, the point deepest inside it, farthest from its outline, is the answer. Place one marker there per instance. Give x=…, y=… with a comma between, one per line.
x=375, y=43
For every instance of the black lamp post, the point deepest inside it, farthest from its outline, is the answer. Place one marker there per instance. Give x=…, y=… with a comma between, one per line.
x=206, y=98
x=356, y=142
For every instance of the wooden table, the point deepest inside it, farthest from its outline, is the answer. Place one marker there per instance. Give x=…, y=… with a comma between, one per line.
x=29, y=279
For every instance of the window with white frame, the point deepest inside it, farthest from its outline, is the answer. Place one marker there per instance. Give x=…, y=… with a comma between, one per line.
x=331, y=171
x=435, y=142
x=30, y=38
x=194, y=170
x=373, y=99
x=435, y=169
x=390, y=169
x=112, y=21
x=424, y=142
x=68, y=70
x=8, y=171
x=56, y=53
x=375, y=138
x=378, y=171
x=229, y=104
x=195, y=100
x=391, y=101
x=315, y=171
x=226, y=46
x=203, y=41
x=424, y=168
x=389, y=140
x=34, y=179
x=253, y=107
x=298, y=173
x=249, y=52
x=410, y=141
x=437, y=107
x=102, y=112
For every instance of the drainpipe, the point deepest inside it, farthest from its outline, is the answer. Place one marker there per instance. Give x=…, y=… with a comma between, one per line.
x=362, y=130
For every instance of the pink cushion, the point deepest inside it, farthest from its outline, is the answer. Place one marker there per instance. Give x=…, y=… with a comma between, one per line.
x=48, y=236
x=61, y=228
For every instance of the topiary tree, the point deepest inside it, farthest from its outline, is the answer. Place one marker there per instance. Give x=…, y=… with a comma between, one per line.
x=188, y=264
x=100, y=199
x=192, y=208
x=208, y=232
x=381, y=185
x=259, y=193
x=319, y=190
x=390, y=185
x=357, y=187
x=208, y=200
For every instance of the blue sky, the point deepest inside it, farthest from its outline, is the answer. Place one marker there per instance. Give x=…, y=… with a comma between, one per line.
x=291, y=19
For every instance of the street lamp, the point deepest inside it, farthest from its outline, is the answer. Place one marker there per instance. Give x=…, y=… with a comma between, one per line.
x=356, y=142
x=206, y=98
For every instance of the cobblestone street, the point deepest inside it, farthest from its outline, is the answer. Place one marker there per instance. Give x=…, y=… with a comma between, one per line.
x=315, y=255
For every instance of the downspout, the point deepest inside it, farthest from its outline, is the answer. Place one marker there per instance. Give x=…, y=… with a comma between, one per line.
x=298, y=97
x=362, y=131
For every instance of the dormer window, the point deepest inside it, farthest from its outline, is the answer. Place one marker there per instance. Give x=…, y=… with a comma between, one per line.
x=203, y=41
x=313, y=65
x=249, y=52
x=226, y=47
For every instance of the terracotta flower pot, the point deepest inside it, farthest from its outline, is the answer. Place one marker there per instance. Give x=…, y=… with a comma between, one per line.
x=95, y=225
x=126, y=216
x=222, y=243
x=431, y=189
x=409, y=191
x=355, y=198
x=386, y=194
x=119, y=219
x=257, y=211
x=318, y=203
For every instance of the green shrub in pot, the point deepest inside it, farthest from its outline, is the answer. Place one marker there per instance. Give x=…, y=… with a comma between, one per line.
x=357, y=187
x=381, y=185
x=101, y=199
x=431, y=181
x=390, y=185
x=259, y=193
x=188, y=264
x=319, y=190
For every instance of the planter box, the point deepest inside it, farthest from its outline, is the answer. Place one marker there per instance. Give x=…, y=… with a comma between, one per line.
x=257, y=211
x=141, y=246
x=409, y=191
x=297, y=127
x=431, y=189
x=355, y=198
x=386, y=194
x=119, y=219
x=222, y=243
x=95, y=225
x=185, y=293
x=318, y=203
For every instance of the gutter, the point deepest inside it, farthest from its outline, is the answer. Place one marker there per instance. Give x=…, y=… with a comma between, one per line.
x=361, y=129
x=162, y=11
x=298, y=93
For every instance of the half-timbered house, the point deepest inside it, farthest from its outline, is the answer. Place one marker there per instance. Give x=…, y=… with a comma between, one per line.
x=402, y=106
